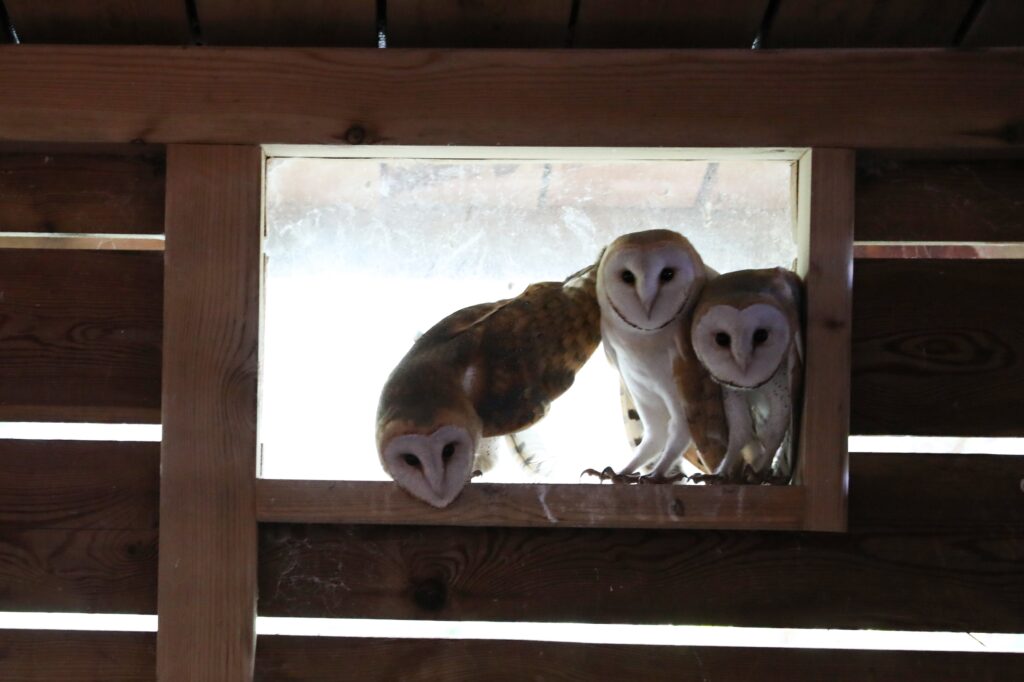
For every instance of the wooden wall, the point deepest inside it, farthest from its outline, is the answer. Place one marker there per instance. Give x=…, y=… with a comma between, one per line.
x=935, y=540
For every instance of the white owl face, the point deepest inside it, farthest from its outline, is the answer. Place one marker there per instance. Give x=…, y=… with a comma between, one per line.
x=646, y=286
x=434, y=467
x=742, y=347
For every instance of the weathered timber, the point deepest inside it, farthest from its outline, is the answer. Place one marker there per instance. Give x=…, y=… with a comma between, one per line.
x=207, y=589
x=942, y=201
x=79, y=484
x=543, y=506
x=78, y=570
x=324, y=23
x=316, y=659
x=61, y=189
x=140, y=22
x=80, y=335
x=867, y=23
x=668, y=24
x=484, y=23
x=928, y=555
x=938, y=347
x=856, y=99
x=48, y=655
x=825, y=214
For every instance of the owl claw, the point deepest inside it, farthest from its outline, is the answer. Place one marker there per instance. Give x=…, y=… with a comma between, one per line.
x=608, y=474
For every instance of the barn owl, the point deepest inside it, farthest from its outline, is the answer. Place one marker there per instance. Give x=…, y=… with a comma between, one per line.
x=647, y=285
x=487, y=370
x=746, y=333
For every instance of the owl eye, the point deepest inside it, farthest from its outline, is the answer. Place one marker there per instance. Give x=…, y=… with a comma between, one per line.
x=411, y=459
x=448, y=451
x=628, y=277
x=722, y=339
x=667, y=274
x=760, y=336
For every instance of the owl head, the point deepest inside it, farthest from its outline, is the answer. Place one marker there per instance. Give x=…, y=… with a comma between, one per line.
x=427, y=442
x=646, y=279
x=744, y=324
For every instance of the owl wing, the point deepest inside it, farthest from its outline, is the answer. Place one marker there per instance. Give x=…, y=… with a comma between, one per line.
x=530, y=351
x=705, y=407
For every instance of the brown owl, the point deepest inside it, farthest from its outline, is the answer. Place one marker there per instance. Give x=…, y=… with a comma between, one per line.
x=486, y=370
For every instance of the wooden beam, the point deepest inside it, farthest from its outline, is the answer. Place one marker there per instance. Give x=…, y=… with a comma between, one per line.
x=323, y=23
x=934, y=544
x=80, y=335
x=45, y=655
x=938, y=347
x=825, y=210
x=319, y=659
x=482, y=23
x=207, y=588
x=543, y=506
x=667, y=23
x=718, y=98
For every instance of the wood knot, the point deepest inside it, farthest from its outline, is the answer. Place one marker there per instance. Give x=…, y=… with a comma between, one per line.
x=355, y=135
x=430, y=594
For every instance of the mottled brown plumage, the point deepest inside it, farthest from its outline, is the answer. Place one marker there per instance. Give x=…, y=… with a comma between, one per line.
x=494, y=368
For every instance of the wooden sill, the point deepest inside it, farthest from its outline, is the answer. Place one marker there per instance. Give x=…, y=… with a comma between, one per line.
x=726, y=507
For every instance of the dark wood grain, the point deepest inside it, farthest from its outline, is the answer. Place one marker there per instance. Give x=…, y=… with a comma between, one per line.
x=80, y=335
x=938, y=347
x=968, y=201
x=72, y=191
x=78, y=570
x=79, y=485
x=48, y=655
x=207, y=590
x=482, y=23
x=140, y=22
x=313, y=659
x=926, y=557
x=1000, y=23
x=867, y=23
x=826, y=206
x=324, y=23
x=543, y=506
x=856, y=99
x=668, y=23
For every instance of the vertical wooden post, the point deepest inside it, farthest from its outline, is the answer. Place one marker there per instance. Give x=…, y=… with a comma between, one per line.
x=826, y=201
x=207, y=591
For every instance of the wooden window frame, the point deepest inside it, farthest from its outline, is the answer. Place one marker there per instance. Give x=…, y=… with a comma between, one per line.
x=817, y=501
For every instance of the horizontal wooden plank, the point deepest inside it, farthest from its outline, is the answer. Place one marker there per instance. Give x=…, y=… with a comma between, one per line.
x=80, y=336
x=966, y=201
x=867, y=23
x=925, y=558
x=78, y=570
x=312, y=659
x=141, y=22
x=83, y=485
x=565, y=505
x=938, y=347
x=47, y=655
x=854, y=99
x=100, y=191
x=668, y=23
x=325, y=23
x=481, y=23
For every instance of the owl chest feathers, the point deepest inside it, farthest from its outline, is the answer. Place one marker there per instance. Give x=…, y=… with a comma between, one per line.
x=646, y=361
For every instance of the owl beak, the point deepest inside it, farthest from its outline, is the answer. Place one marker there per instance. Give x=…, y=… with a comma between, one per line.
x=435, y=477
x=649, y=294
x=741, y=357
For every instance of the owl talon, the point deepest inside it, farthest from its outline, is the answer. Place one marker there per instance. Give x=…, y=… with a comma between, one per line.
x=608, y=474
x=660, y=479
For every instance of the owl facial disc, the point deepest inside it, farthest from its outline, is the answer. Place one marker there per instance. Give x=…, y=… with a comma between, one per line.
x=433, y=467
x=742, y=347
